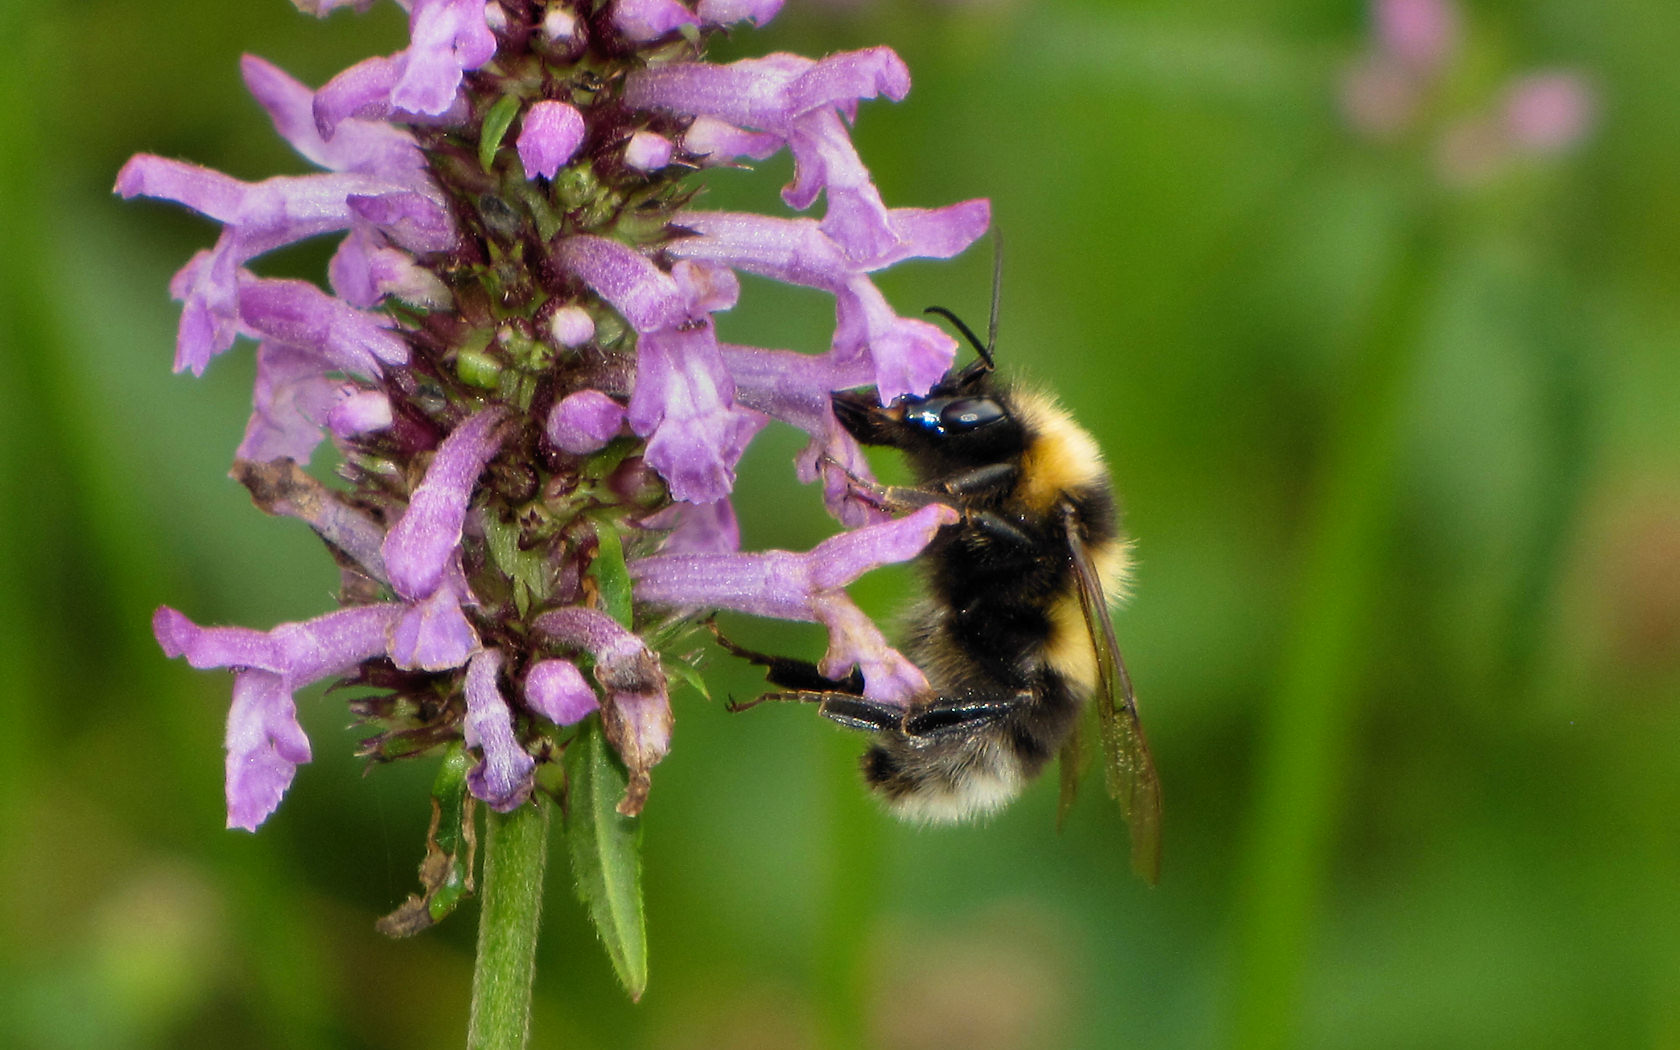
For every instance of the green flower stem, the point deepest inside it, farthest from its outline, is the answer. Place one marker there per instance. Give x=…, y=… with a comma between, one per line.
x=515, y=857
x=1313, y=711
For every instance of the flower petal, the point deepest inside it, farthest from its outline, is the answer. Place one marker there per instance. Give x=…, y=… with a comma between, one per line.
x=556, y=690
x=299, y=314
x=265, y=745
x=637, y=715
x=647, y=151
x=419, y=547
x=292, y=400
x=433, y=633
x=684, y=405
x=584, y=422
x=446, y=38
x=551, y=134
x=503, y=777
x=644, y=20
x=644, y=294
x=723, y=12
x=363, y=145
x=302, y=652
x=789, y=586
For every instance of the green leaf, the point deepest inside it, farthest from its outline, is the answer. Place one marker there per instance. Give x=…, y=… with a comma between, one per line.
x=690, y=675
x=611, y=575
x=605, y=850
x=446, y=872
x=527, y=569
x=496, y=123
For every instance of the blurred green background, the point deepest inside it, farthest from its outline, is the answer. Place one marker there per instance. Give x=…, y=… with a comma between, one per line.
x=1401, y=451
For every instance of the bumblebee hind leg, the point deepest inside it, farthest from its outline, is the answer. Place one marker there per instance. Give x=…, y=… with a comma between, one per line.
x=792, y=674
x=840, y=700
x=850, y=711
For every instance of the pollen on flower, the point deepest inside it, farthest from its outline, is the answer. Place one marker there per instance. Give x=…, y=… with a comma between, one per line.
x=535, y=430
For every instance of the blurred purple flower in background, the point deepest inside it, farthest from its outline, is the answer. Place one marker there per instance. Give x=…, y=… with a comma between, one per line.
x=1389, y=92
x=519, y=372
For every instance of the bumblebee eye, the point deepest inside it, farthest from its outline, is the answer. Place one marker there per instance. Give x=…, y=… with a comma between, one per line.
x=970, y=413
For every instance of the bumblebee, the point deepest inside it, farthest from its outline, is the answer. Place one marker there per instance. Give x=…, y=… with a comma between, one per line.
x=1013, y=632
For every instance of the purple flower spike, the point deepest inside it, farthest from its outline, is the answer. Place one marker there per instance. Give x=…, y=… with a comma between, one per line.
x=419, y=547
x=556, y=690
x=474, y=347
x=552, y=133
x=265, y=744
x=643, y=20
x=807, y=587
x=503, y=777
x=584, y=422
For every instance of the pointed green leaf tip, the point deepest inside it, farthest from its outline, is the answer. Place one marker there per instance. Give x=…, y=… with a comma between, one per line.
x=611, y=574
x=496, y=123
x=605, y=849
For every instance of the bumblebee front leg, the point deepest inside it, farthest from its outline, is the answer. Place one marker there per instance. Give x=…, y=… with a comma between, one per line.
x=902, y=499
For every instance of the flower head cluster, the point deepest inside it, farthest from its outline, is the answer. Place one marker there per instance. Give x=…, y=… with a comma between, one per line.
x=518, y=368
x=1388, y=90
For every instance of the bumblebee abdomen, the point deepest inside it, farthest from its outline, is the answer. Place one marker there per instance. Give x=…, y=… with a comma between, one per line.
x=950, y=777
x=943, y=784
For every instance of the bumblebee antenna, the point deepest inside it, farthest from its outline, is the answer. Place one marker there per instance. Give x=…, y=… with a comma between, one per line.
x=980, y=348
x=985, y=351
x=997, y=293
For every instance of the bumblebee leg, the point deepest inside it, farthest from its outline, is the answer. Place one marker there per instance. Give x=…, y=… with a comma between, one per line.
x=798, y=676
x=853, y=712
x=988, y=478
x=895, y=498
x=857, y=713
x=962, y=717
x=1001, y=530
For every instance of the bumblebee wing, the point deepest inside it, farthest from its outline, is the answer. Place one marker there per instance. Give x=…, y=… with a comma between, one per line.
x=1127, y=764
x=1075, y=756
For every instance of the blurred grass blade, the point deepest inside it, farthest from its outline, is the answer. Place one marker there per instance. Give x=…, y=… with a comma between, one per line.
x=605, y=850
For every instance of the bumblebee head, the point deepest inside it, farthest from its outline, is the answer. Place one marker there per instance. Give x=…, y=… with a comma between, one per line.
x=964, y=421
